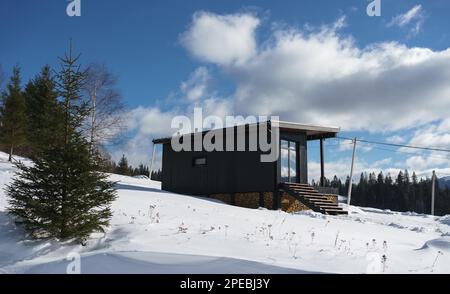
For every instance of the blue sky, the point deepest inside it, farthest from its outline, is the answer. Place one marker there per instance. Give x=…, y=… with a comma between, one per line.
x=151, y=46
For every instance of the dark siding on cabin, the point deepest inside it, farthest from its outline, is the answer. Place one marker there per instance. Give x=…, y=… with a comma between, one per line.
x=225, y=172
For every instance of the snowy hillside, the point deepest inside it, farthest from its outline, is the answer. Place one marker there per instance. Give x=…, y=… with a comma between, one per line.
x=153, y=231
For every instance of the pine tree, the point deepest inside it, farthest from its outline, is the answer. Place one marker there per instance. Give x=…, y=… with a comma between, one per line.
x=143, y=170
x=400, y=179
x=63, y=194
x=13, y=126
x=156, y=175
x=122, y=167
x=43, y=111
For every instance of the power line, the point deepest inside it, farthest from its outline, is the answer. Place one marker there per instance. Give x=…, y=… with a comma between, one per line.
x=411, y=153
x=398, y=145
x=335, y=144
x=338, y=145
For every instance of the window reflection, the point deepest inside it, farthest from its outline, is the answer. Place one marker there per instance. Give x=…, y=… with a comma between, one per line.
x=289, y=161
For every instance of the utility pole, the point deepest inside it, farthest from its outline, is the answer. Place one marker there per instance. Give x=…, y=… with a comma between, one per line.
x=350, y=184
x=433, y=191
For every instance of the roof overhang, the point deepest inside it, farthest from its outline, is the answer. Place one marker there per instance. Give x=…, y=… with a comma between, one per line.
x=313, y=132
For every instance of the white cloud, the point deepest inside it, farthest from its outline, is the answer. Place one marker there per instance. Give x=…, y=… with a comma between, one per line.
x=321, y=76
x=313, y=76
x=396, y=139
x=413, y=18
x=341, y=168
x=436, y=135
x=150, y=121
x=382, y=162
x=221, y=39
x=144, y=124
x=345, y=146
x=433, y=135
x=147, y=123
x=195, y=87
x=422, y=163
x=406, y=18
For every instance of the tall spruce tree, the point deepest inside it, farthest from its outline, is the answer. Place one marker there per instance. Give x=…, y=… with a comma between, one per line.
x=13, y=124
x=63, y=194
x=43, y=111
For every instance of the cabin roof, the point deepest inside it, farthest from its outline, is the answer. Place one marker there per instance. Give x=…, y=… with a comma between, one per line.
x=313, y=132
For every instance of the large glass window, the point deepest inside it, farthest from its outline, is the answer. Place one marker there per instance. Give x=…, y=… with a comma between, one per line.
x=289, y=161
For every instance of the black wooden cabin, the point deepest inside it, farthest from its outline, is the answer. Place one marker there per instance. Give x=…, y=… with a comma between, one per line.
x=237, y=176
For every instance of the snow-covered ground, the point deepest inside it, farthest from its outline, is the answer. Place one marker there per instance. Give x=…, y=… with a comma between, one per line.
x=153, y=231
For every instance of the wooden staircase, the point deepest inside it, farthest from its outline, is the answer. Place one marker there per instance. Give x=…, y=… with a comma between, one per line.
x=312, y=198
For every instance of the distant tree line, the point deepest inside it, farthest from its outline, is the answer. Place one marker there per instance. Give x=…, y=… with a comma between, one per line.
x=403, y=193
x=123, y=168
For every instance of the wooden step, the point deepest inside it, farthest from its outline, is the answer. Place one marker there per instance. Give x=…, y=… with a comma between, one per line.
x=305, y=192
x=309, y=194
x=301, y=188
x=317, y=201
x=331, y=209
x=313, y=196
x=322, y=202
x=337, y=213
x=334, y=211
x=343, y=212
x=326, y=206
x=297, y=184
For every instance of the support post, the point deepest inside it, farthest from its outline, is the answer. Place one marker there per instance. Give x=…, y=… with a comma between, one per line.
x=152, y=161
x=289, y=162
x=350, y=184
x=261, y=199
x=277, y=196
x=322, y=165
x=433, y=192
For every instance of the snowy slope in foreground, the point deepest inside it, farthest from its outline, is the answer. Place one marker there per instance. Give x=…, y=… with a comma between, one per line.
x=153, y=231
